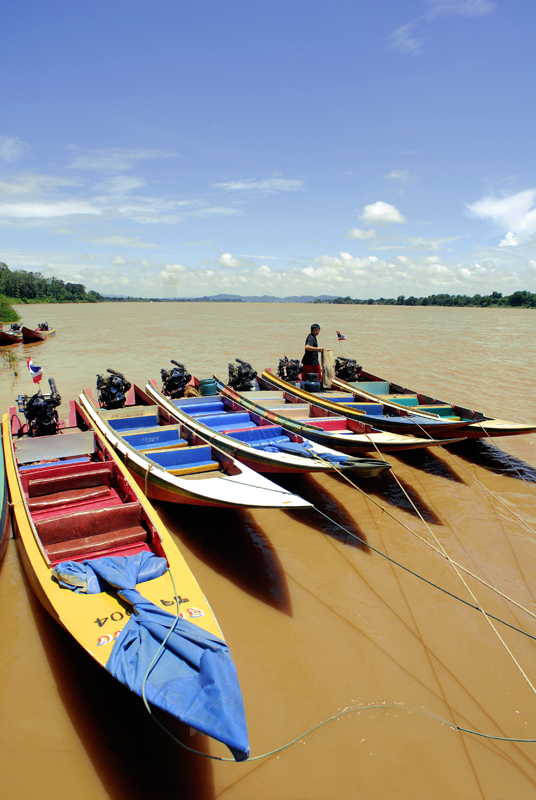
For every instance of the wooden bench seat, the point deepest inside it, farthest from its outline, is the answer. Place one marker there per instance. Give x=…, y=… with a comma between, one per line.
x=69, y=497
x=78, y=479
x=79, y=525
x=74, y=548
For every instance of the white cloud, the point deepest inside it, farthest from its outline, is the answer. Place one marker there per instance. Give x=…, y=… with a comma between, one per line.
x=400, y=176
x=461, y=8
x=515, y=214
x=509, y=240
x=381, y=213
x=120, y=184
x=344, y=274
x=116, y=159
x=12, y=148
x=43, y=210
x=267, y=186
x=121, y=241
x=119, y=260
x=359, y=233
x=227, y=260
x=403, y=41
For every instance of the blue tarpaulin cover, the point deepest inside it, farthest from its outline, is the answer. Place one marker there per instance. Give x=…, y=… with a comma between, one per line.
x=194, y=678
x=297, y=449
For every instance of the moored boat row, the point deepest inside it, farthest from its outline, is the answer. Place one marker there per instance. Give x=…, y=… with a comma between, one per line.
x=17, y=333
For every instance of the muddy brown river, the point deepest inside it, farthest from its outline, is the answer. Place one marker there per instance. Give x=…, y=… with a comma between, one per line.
x=317, y=622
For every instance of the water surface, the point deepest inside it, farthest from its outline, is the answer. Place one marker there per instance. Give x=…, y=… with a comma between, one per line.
x=316, y=624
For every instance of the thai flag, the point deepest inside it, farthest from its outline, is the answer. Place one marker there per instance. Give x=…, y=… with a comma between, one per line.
x=35, y=372
x=340, y=337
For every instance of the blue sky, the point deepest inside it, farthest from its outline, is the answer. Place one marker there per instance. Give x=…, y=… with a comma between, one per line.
x=183, y=148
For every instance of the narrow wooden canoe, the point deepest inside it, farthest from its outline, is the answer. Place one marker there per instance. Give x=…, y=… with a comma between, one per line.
x=264, y=447
x=376, y=413
x=375, y=389
x=324, y=427
x=81, y=525
x=171, y=463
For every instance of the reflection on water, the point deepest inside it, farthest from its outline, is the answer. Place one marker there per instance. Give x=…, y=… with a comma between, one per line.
x=315, y=625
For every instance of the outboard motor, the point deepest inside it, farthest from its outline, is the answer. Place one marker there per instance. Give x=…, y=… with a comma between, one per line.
x=289, y=369
x=174, y=380
x=112, y=390
x=40, y=411
x=241, y=376
x=347, y=369
x=15, y=327
x=42, y=326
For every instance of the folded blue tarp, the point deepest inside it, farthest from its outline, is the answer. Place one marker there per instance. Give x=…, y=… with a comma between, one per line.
x=305, y=450
x=194, y=678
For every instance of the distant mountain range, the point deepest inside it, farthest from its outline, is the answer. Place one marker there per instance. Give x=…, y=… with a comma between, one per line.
x=232, y=298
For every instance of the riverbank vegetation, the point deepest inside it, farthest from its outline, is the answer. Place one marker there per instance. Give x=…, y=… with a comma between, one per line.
x=521, y=299
x=20, y=286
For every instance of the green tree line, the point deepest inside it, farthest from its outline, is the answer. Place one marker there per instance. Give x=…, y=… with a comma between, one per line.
x=520, y=299
x=27, y=287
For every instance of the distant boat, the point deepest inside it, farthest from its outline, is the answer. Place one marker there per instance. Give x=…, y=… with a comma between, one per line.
x=43, y=331
x=12, y=336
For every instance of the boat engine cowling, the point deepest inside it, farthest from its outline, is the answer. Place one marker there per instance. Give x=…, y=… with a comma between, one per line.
x=347, y=369
x=112, y=390
x=174, y=381
x=40, y=411
x=289, y=369
x=241, y=376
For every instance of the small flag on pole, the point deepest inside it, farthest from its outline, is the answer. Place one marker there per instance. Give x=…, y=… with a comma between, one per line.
x=35, y=372
x=340, y=337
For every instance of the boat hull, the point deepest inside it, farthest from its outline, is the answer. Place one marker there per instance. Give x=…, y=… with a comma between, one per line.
x=9, y=338
x=480, y=428
x=257, y=459
x=81, y=498
x=237, y=488
x=29, y=336
x=363, y=440
x=402, y=423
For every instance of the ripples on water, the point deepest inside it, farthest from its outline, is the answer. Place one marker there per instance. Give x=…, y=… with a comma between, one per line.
x=315, y=624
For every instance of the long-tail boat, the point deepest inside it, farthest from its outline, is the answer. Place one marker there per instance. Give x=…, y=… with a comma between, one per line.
x=370, y=388
x=318, y=425
x=104, y=566
x=37, y=335
x=13, y=335
x=375, y=413
x=170, y=462
x=257, y=443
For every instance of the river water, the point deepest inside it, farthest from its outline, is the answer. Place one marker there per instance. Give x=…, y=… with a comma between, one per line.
x=316, y=625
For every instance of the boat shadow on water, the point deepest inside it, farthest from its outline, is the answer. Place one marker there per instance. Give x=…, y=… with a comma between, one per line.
x=489, y=456
x=132, y=757
x=311, y=489
x=431, y=463
x=232, y=543
x=387, y=490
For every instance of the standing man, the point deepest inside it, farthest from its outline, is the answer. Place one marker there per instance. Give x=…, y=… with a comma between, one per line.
x=310, y=359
